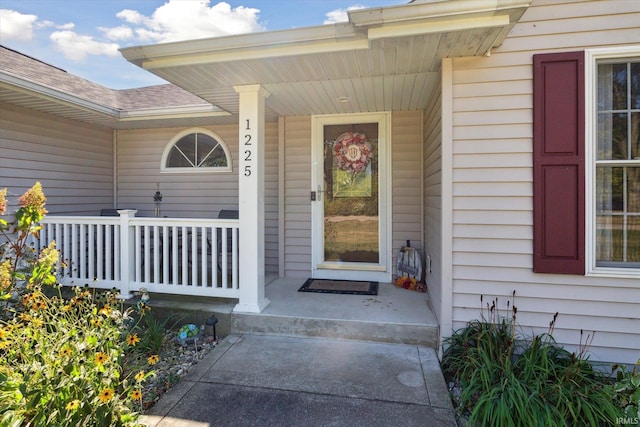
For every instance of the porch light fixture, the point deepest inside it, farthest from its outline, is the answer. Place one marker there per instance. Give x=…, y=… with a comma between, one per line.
x=157, y=198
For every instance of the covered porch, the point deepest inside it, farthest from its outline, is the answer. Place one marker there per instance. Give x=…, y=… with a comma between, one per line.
x=193, y=266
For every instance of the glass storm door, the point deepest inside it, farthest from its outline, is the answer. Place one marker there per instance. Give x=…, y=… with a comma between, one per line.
x=350, y=225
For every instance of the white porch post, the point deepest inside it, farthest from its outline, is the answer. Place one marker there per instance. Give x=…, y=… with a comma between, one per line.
x=251, y=199
x=126, y=252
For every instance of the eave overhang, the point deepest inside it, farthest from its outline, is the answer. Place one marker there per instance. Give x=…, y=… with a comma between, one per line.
x=313, y=70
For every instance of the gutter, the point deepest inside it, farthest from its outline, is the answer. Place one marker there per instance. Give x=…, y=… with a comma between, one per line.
x=431, y=10
x=27, y=86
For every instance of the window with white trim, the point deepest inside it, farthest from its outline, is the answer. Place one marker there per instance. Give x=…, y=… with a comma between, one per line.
x=616, y=164
x=196, y=150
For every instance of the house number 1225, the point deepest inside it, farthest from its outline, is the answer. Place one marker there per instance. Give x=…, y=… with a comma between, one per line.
x=247, y=150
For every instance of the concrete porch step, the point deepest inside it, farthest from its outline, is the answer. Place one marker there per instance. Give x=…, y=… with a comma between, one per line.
x=359, y=330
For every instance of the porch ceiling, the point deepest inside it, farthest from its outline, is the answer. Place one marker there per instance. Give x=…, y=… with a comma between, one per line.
x=383, y=59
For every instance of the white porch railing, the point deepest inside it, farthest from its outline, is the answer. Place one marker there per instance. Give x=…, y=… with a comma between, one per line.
x=165, y=255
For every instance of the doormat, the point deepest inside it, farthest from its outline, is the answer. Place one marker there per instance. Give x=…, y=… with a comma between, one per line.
x=339, y=287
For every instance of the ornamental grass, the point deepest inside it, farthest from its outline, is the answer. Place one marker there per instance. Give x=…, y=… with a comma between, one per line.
x=510, y=380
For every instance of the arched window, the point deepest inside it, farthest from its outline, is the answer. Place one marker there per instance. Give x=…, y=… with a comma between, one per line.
x=196, y=150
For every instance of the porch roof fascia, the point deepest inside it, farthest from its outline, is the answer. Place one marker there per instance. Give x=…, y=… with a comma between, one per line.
x=268, y=44
x=364, y=26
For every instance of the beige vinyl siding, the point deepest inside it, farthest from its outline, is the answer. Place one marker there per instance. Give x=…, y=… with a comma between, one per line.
x=72, y=160
x=432, y=203
x=297, y=205
x=406, y=165
x=193, y=195
x=492, y=184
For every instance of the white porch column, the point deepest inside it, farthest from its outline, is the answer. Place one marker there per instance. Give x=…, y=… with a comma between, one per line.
x=251, y=199
x=126, y=252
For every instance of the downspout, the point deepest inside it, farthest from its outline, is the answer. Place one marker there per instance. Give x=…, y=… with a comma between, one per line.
x=115, y=168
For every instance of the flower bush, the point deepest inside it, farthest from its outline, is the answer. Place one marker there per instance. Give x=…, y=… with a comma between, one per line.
x=61, y=359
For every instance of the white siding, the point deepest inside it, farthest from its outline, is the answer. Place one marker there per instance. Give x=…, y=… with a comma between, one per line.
x=492, y=184
x=72, y=160
x=193, y=195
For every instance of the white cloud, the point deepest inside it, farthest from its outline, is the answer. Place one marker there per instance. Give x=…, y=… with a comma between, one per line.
x=130, y=16
x=45, y=24
x=340, y=15
x=16, y=26
x=76, y=47
x=174, y=20
x=68, y=26
x=117, y=33
x=192, y=19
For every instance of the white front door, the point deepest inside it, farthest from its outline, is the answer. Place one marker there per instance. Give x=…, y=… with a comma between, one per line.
x=350, y=197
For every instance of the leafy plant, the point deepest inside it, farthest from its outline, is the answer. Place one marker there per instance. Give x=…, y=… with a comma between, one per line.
x=507, y=380
x=627, y=390
x=61, y=359
x=152, y=330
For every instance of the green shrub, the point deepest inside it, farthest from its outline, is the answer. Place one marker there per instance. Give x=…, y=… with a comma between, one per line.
x=506, y=380
x=61, y=359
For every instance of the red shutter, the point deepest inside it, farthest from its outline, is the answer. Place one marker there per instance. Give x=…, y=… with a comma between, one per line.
x=558, y=163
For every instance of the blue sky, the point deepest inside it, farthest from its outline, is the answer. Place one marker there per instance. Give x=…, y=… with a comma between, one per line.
x=83, y=37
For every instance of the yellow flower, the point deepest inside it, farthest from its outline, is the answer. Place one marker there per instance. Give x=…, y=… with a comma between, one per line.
x=66, y=308
x=106, y=395
x=101, y=358
x=105, y=311
x=133, y=339
x=5, y=275
x=73, y=405
x=3, y=333
x=38, y=305
x=139, y=376
x=3, y=201
x=96, y=321
x=36, y=322
x=136, y=395
x=66, y=351
x=153, y=359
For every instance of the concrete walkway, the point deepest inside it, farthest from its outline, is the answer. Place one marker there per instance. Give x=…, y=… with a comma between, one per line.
x=263, y=380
